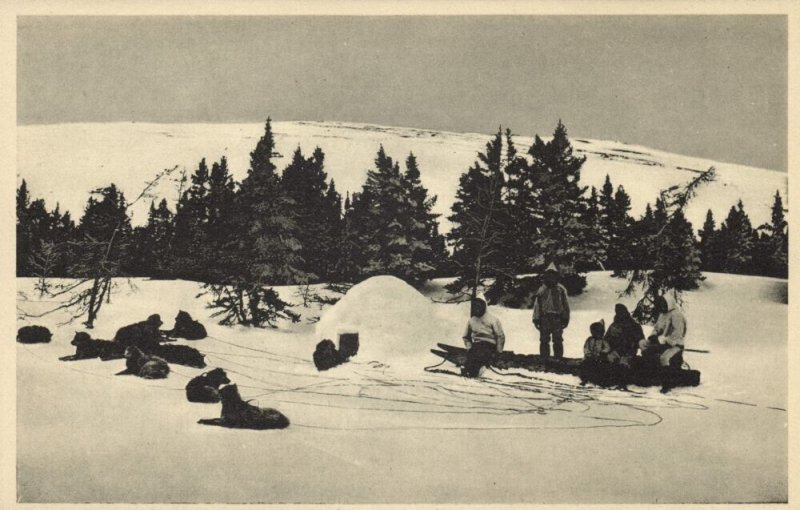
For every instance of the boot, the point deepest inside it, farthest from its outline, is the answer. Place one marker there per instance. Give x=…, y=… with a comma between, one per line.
x=558, y=349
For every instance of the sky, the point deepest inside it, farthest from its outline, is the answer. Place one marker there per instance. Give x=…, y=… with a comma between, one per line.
x=708, y=86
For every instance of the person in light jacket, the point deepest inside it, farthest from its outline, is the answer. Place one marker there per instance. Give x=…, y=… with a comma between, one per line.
x=667, y=340
x=551, y=313
x=483, y=338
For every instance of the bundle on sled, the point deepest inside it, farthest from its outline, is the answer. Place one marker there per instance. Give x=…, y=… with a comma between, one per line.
x=642, y=372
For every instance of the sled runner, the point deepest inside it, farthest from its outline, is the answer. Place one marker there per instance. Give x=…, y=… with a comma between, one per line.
x=641, y=373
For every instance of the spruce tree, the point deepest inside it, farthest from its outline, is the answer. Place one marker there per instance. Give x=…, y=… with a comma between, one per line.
x=737, y=240
x=263, y=251
x=709, y=253
x=102, y=242
x=666, y=252
x=305, y=182
x=479, y=234
x=151, y=247
x=620, y=235
x=425, y=246
x=190, y=251
x=24, y=235
x=564, y=236
x=778, y=255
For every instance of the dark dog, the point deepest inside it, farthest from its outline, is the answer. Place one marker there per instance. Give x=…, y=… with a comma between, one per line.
x=238, y=414
x=326, y=356
x=86, y=348
x=144, y=365
x=144, y=334
x=33, y=335
x=205, y=388
x=186, y=327
x=179, y=355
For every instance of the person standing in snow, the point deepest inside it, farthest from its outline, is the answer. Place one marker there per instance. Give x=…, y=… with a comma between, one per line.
x=483, y=338
x=623, y=335
x=551, y=313
x=667, y=340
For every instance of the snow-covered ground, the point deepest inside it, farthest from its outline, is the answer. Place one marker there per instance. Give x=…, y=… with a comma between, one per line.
x=381, y=429
x=64, y=162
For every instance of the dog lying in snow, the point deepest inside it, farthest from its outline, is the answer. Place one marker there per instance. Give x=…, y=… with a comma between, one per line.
x=236, y=413
x=205, y=387
x=179, y=355
x=87, y=348
x=144, y=365
x=186, y=327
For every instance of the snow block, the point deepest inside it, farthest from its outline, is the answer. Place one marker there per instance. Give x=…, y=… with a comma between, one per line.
x=34, y=335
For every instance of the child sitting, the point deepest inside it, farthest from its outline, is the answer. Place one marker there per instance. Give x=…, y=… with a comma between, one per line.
x=596, y=348
x=599, y=362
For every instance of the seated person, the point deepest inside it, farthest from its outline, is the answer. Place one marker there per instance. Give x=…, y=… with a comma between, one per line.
x=483, y=338
x=623, y=336
x=596, y=348
x=667, y=340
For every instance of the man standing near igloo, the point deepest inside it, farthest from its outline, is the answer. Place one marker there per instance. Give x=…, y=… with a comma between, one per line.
x=551, y=313
x=483, y=338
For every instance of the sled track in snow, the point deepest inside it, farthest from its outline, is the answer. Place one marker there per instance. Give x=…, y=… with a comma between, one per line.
x=383, y=400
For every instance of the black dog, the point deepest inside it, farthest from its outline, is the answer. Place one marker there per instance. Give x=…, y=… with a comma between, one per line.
x=186, y=327
x=205, y=387
x=86, y=348
x=326, y=356
x=144, y=365
x=238, y=414
x=144, y=334
x=179, y=354
x=33, y=335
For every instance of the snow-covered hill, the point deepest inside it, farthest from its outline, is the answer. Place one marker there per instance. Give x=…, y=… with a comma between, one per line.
x=63, y=162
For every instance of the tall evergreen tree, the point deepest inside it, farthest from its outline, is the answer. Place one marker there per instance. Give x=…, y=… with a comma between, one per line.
x=264, y=251
x=737, y=240
x=24, y=234
x=620, y=236
x=150, y=251
x=666, y=255
x=771, y=257
x=709, y=253
x=479, y=234
x=189, y=244
x=315, y=209
x=426, y=247
x=564, y=236
x=100, y=250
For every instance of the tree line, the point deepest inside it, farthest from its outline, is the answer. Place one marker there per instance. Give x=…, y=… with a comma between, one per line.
x=514, y=214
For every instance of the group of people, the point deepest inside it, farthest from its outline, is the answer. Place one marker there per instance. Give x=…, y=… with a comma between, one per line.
x=619, y=344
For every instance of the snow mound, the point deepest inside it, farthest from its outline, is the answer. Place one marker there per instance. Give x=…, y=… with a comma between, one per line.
x=392, y=319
